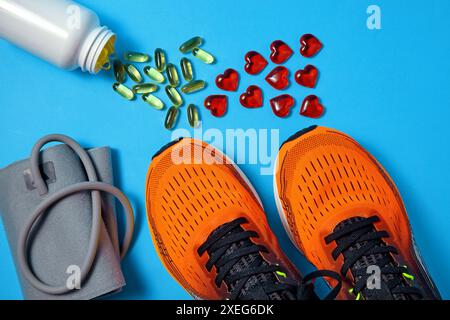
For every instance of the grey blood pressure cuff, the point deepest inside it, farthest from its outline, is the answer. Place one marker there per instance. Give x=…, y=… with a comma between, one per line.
x=60, y=220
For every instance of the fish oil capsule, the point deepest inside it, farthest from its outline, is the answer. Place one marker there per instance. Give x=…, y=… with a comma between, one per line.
x=153, y=101
x=133, y=73
x=160, y=60
x=154, y=74
x=172, y=75
x=193, y=116
x=204, y=56
x=193, y=86
x=171, y=117
x=174, y=96
x=134, y=56
x=189, y=45
x=145, y=88
x=124, y=91
x=119, y=71
x=186, y=69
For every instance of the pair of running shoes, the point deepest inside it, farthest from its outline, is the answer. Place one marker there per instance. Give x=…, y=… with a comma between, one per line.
x=338, y=205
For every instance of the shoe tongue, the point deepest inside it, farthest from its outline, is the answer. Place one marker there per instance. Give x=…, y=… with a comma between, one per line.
x=254, y=287
x=370, y=260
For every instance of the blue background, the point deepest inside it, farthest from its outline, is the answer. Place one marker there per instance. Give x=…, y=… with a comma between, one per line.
x=387, y=88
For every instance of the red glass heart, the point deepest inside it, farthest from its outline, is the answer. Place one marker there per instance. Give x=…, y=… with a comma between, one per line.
x=282, y=105
x=252, y=98
x=217, y=104
x=228, y=81
x=278, y=78
x=309, y=45
x=255, y=62
x=307, y=77
x=280, y=52
x=311, y=107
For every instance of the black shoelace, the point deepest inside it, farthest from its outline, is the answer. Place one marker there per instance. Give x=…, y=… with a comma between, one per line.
x=360, y=240
x=248, y=276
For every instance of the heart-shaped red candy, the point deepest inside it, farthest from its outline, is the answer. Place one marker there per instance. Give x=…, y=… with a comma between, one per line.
x=282, y=105
x=217, y=104
x=280, y=52
x=278, y=78
x=311, y=107
x=252, y=98
x=309, y=45
x=307, y=77
x=255, y=62
x=228, y=81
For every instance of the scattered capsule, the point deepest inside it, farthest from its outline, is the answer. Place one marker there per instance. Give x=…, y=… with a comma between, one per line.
x=189, y=45
x=145, y=88
x=193, y=86
x=153, y=101
x=204, y=56
x=186, y=69
x=133, y=56
x=174, y=96
x=133, y=73
x=119, y=71
x=160, y=60
x=193, y=115
x=171, y=118
x=124, y=91
x=172, y=75
x=154, y=74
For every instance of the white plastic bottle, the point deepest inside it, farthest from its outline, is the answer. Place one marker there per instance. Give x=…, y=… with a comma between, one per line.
x=62, y=32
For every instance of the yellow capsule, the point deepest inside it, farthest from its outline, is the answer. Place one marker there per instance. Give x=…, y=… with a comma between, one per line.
x=186, y=69
x=193, y=116
x=189, y=45
x=174, y=96
x=133, y=73
x=103, y=60
x=171, y=118
x=145, y=88
x=160, y=60
x=119, y=71
x=172, y=75
x=204, y=56
x=134, y=56
x=106, y=66
x=154, y=74
x=193, y=86
x=123, y=91
x=153, y=101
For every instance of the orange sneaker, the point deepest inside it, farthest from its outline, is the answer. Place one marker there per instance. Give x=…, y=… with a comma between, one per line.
x=209, y=227
x=343, y=211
